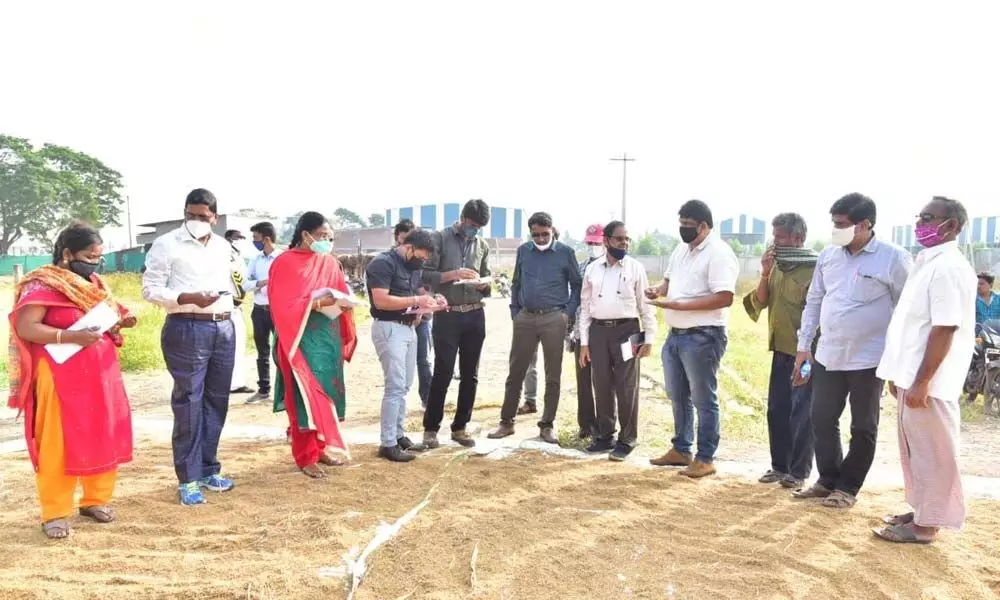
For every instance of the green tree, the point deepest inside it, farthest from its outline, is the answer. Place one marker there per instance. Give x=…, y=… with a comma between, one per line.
x=758, y=250
x=376, y=220
x=818, y=245
x=648, y=246
x=737, y=247
x=347, y=219
x=287, y=228
x=42, y=190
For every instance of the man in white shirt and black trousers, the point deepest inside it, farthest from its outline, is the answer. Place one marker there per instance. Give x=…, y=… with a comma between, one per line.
x=699, y=285
x=611, y=308
x=258, y=272
x=188, y=274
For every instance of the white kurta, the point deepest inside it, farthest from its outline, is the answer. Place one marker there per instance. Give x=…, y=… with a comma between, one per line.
x=940, y=292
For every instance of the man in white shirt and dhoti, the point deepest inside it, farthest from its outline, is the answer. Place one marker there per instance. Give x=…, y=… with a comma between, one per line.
x=927, y=351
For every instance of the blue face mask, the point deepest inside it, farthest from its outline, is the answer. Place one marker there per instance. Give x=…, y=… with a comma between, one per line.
x=617, y=253
x=470, y=232
x=259, y=246
x=321, y=246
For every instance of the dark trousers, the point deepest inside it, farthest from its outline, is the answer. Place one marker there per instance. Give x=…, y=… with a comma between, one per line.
x=424, y=372
x=199, y=356
x=586, y=412
x=531, y=329
x=831, y=391
x=263, y=327
x=788, y=424
x=616, y=381
x=462, y=335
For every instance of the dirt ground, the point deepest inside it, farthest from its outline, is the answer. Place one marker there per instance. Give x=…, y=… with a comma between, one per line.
x=533, y=525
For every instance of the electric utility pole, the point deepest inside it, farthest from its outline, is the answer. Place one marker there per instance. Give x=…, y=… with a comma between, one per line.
x=625, y=160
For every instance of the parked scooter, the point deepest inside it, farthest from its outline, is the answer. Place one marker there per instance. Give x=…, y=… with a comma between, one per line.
x=503, y=286
x=984, y=373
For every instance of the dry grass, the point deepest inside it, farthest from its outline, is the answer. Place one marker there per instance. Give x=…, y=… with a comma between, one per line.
x=540, y=527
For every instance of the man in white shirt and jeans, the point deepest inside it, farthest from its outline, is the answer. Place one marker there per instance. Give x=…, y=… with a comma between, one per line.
x=698, y=287
x=611, y=308
x=188, y=274
x=927, y=352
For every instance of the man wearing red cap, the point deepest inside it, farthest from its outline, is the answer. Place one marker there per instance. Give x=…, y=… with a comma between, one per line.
x=586, y=415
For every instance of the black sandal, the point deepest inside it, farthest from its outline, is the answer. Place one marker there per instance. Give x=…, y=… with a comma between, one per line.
x=101, y=514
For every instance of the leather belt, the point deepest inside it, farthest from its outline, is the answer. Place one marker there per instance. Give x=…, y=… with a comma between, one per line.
x=613, y=322
x=408, y=323
x=464, y=308
x=214, y=317
x=542, y=311
x=690, y=330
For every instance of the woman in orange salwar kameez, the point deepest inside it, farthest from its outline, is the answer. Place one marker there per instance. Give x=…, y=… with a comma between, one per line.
x=310, y=348
x=77, y=421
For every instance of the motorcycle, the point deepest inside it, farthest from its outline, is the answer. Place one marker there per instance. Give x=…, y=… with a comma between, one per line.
x=503, y=286
x=358, y=285
x=984, y=372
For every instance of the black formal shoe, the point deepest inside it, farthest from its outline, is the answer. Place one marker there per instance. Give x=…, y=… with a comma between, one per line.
x=598, y=446
x=620, y=452
x=395, y=454
x=407, y=444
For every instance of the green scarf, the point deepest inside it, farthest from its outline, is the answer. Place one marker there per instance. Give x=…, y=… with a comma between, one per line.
x=790, y=258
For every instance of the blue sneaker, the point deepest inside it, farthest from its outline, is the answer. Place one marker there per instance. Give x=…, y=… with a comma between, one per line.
x=215, y=483
x=190, y=494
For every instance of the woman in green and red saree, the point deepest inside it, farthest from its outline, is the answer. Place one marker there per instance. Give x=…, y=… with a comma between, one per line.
x=77, y=421
x=310, y=348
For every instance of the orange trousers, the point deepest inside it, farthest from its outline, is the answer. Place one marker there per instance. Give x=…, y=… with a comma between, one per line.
x=55, y=487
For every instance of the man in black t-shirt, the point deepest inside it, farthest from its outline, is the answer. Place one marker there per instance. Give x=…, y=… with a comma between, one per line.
x=393, y=281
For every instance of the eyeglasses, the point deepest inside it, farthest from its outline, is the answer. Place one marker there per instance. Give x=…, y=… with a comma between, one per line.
x=541, y=235
x=928, y=217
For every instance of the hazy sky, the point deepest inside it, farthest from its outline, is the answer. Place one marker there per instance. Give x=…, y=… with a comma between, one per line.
x=755, y=107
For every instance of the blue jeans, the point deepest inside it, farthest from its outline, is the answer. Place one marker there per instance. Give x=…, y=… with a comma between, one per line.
x=396, y=346
x=690, y=362
x=424, y=372
x=200, y=357
x=789, y=427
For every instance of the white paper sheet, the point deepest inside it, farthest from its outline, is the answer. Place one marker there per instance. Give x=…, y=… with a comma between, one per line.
x=627, y=352
x=343, y=301
x=478, y=281
x=102, y=316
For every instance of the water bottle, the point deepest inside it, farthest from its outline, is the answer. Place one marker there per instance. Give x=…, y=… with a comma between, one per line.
x=805, y=370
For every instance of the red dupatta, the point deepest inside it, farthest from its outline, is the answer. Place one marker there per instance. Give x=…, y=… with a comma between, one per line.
x=292, y=279
x=97, y=429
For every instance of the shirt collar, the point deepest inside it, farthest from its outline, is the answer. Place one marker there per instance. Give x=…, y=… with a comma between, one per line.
x=931, y=253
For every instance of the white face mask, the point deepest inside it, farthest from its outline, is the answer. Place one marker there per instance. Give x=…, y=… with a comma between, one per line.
x=543, y=247
x=596, y=251
x=842, y=237
x=198, y=229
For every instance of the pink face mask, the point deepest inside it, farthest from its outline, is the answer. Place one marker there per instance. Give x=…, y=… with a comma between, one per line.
x=928, y=236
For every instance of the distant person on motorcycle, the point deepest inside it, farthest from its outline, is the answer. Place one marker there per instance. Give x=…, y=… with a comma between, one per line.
x=927, y=352
x=424, y=373
x=987, y=301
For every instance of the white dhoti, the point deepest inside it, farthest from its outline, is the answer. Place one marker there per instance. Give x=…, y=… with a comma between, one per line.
x=239, y=366
x=928, y=451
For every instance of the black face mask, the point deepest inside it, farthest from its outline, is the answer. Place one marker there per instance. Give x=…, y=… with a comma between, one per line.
x=688, y=234
x=83, y=268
